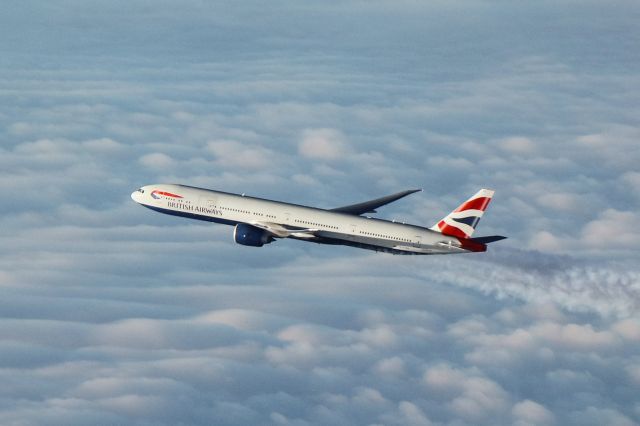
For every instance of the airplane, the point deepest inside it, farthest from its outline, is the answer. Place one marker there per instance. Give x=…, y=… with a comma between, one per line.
x=258, y=221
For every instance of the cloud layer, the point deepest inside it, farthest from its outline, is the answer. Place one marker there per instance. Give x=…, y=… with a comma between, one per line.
x=114, y=315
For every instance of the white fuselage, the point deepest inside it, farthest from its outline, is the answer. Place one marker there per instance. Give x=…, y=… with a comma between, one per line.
x=314, y=224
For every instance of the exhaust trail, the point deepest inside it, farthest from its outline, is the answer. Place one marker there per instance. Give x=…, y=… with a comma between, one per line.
x=606, y=288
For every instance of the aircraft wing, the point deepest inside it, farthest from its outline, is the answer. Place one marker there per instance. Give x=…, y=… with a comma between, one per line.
x=280, y=231
x=371, y=206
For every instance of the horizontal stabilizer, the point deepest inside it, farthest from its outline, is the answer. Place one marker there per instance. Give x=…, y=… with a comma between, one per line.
x=371, y=206
x=488, y=239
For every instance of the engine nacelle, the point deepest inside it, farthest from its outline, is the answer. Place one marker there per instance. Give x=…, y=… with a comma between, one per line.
x=248, y=235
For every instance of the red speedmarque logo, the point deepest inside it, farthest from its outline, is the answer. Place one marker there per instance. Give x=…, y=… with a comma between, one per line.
x=158, y=194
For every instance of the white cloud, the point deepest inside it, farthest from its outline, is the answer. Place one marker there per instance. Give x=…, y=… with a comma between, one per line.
x=157, y=160
x=630, y=181
x=480, y=400
x=323, y=144
x=55, y=152
x=231, y=154
x=613, y=229
x=529, y=412
x=459, y=163
x=469, y=395
x=593, y=416
x=628, y=328
x=243, y=319
x=634, y=373
x=444, y=381
x=518, y=145
x=559, y=201
x=545, y=241
x=393, y=366
x=412, y=415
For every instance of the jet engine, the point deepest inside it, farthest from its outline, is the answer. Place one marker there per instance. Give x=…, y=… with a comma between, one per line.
x=248, y=235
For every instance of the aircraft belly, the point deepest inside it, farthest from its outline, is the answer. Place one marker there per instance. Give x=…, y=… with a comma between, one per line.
x=364, y=243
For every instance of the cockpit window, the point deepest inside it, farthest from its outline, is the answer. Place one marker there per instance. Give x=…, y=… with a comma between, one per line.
x=140, y=190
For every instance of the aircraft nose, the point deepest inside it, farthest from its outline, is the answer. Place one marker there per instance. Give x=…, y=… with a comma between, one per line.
x=136, y=195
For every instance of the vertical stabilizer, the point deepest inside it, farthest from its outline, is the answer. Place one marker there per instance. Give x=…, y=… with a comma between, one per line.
x=462, y=221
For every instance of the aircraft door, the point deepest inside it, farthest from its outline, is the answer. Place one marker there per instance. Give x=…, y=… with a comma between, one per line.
x=354, y=231
x=417, y=241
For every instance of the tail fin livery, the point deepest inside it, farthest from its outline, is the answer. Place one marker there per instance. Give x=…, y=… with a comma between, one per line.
x=462, y=221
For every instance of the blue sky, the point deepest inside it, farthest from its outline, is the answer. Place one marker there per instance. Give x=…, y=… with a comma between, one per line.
x=112, y=314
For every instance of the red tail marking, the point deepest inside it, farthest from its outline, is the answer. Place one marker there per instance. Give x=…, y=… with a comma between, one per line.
x=480, y=203
x=451, y=230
